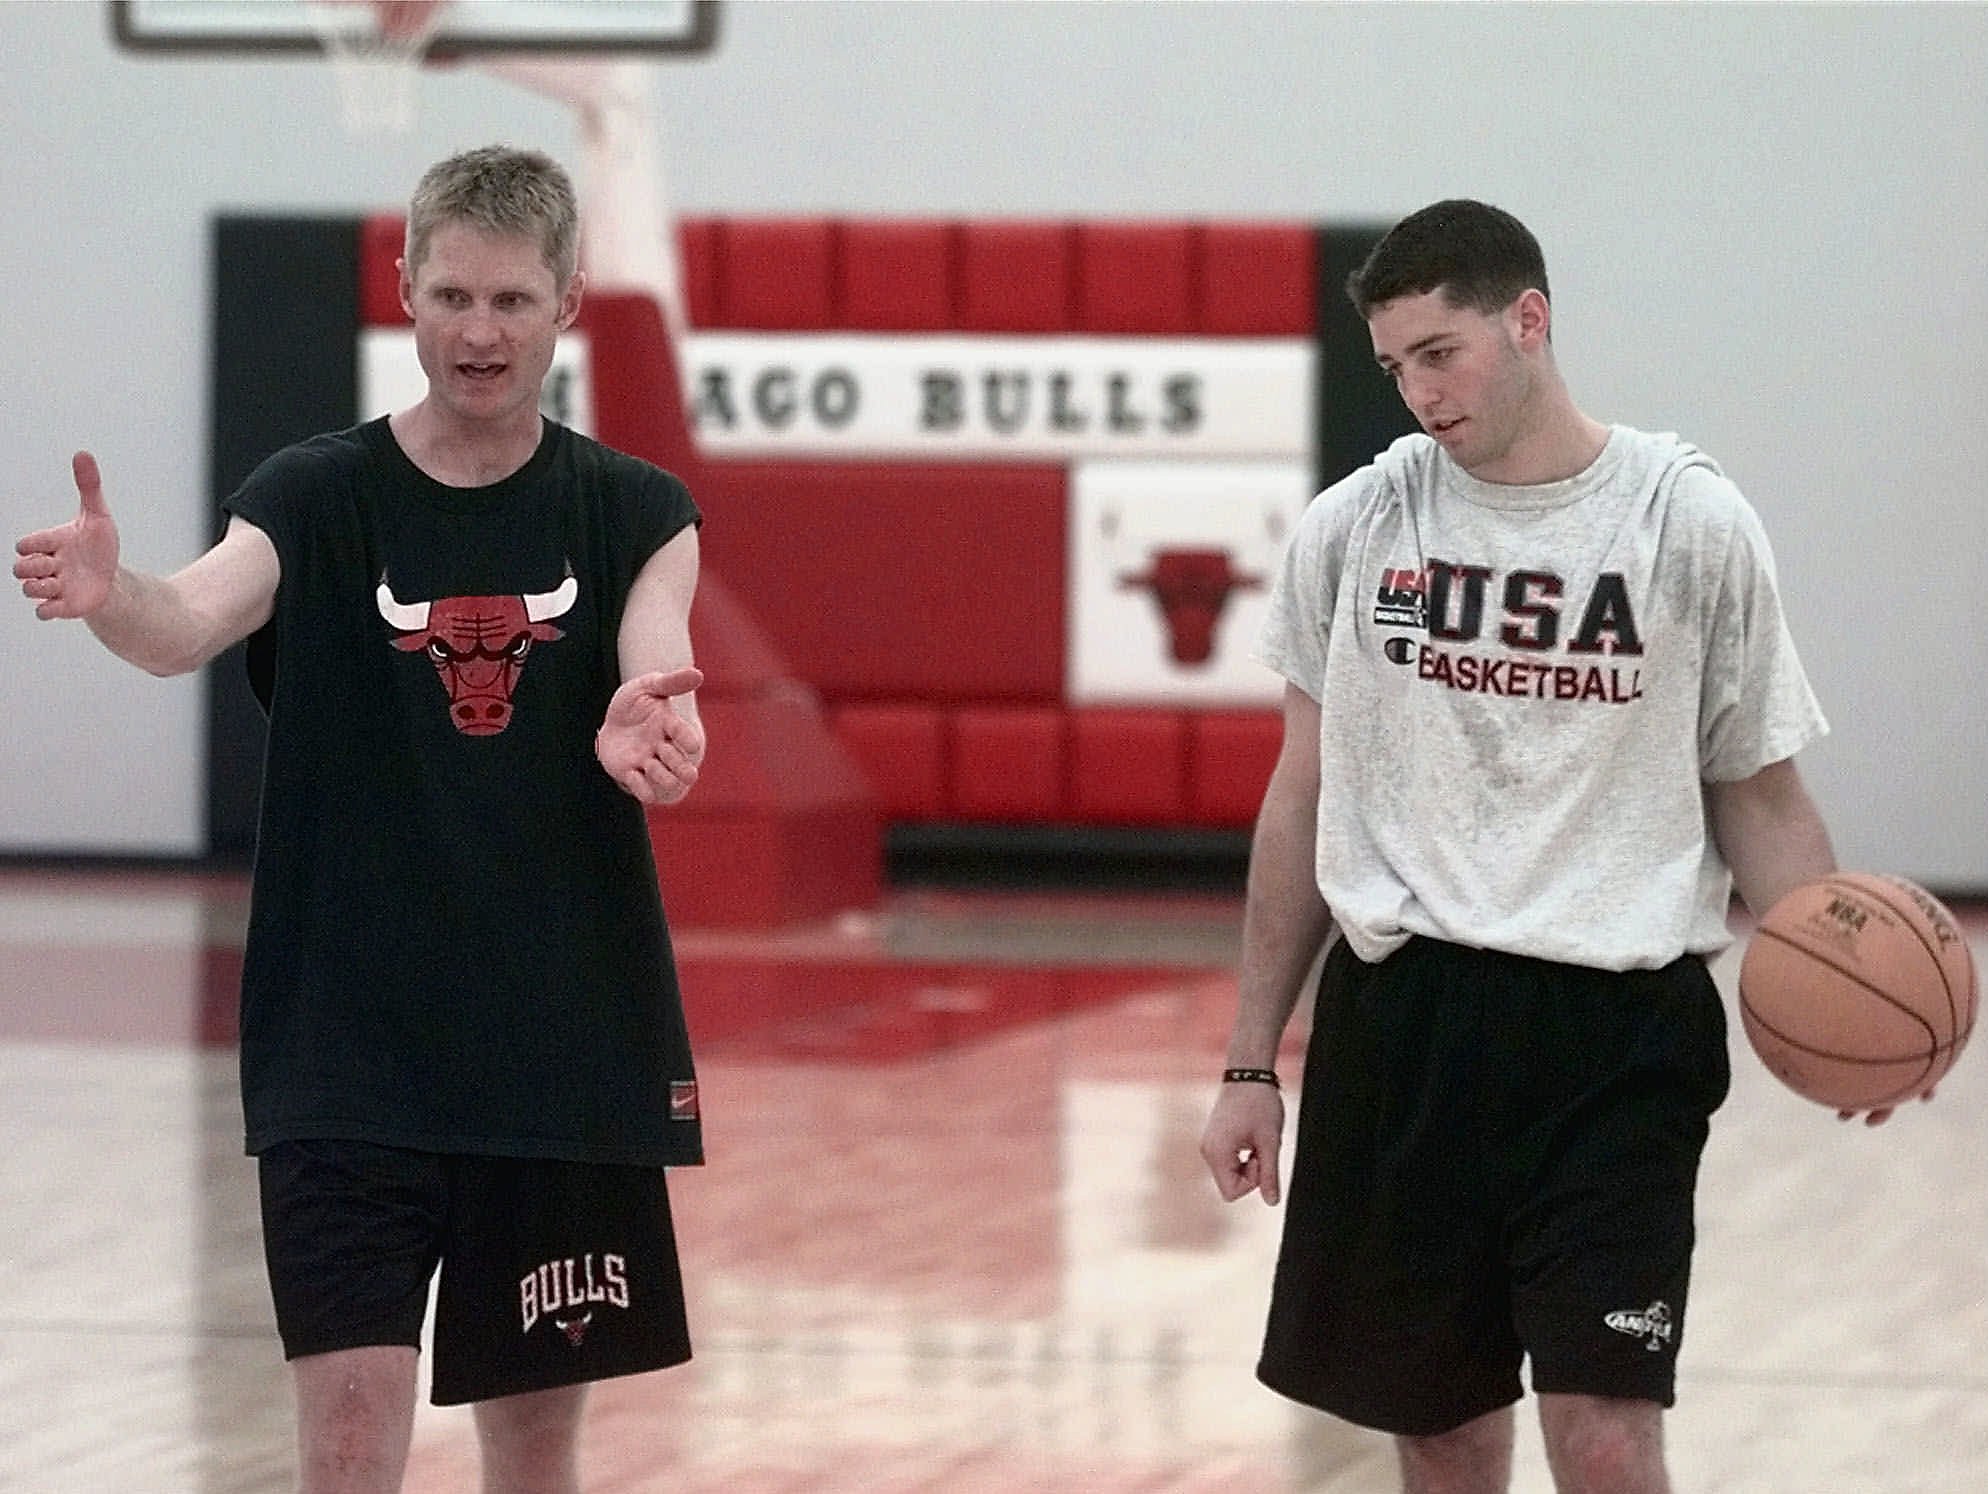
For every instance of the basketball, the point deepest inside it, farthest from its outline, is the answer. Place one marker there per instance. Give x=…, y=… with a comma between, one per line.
x=1858, y=990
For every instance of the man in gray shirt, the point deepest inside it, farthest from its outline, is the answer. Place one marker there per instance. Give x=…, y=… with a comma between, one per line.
x=1540, y=719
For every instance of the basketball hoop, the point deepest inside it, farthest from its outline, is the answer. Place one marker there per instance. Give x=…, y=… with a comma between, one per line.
x=375, y=48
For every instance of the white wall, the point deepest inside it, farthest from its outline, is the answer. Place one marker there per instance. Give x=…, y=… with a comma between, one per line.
x=1766, y=225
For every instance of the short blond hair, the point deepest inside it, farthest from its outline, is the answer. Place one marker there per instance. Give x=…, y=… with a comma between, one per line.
x=499, y=190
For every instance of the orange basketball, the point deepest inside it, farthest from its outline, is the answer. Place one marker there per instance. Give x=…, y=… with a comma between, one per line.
x=1858, y=990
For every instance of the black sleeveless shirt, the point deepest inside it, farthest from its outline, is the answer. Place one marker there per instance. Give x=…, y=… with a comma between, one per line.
x=456, y=942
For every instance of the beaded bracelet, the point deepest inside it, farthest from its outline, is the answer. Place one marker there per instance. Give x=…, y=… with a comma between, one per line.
x=1251, y=1076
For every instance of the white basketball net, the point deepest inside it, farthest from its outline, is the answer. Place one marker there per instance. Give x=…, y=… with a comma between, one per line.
x=377, y=65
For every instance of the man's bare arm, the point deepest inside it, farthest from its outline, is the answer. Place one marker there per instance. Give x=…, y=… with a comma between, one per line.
x=1285, y=921
x=1770, y=833
x=165, y=625
x=652, y=742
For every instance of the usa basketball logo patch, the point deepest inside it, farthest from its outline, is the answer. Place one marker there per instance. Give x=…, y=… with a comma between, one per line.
x=683, y=1099
x=1400, y=601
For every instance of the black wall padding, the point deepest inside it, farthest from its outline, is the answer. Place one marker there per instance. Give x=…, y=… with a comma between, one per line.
x=1359, y=414
x=286, y=366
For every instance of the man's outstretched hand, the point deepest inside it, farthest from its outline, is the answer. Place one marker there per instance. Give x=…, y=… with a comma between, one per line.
x=649, y=746
x=69, y=569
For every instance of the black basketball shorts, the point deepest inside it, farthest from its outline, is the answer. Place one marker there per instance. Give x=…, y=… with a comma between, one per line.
x=1495, y=1162
x=552, y=1273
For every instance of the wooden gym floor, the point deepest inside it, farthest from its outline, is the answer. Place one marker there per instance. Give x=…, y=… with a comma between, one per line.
x=954, y=1234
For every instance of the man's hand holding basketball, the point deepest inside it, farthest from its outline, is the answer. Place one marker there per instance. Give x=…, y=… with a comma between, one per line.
x=69, y=569
x=1240, y=1141
x=1879, y=1116
x=646, y=743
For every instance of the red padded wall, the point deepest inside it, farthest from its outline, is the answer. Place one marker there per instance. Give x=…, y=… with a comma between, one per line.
x=897, y=276
x=778, y=274
x=1017, y=277
x=1128, y=767
x=900, y=581
x=1137, y=279
x=1008, y=764
x=698, y=260
x=902, y=749
x=1258, y=280
x=916, y=275
x=1230, y=755
x=873, y=580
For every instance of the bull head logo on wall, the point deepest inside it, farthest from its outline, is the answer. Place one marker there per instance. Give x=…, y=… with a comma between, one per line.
x=1191, y=585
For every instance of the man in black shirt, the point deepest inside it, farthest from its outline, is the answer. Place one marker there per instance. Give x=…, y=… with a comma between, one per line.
x=462, y=1040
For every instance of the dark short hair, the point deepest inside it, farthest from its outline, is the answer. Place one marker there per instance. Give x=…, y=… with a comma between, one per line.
x=1479, y=256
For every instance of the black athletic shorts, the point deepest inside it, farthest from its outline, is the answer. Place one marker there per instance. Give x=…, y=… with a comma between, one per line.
x=1495, y=1162
x=552, y=1273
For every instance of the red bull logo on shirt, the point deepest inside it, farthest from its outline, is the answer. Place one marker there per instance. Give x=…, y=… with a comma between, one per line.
x=477, y=645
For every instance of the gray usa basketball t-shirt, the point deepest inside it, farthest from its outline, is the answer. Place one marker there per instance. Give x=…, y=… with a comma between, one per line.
x=1522, y=690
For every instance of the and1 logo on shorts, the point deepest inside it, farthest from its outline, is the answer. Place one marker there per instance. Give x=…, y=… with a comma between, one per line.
x=1652, y=1324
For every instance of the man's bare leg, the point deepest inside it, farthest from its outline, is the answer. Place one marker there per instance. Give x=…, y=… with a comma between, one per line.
x=531, y=1442
x=355, y=1417
x=1475, y=1458
x=1603, y=1445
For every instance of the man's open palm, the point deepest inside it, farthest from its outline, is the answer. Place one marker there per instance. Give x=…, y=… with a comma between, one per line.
x=647, y=744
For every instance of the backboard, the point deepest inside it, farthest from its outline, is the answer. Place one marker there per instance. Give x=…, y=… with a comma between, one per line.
x=466, y=27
